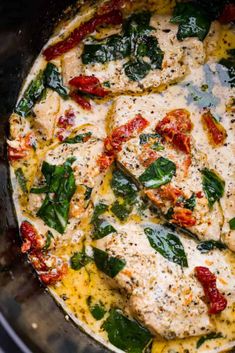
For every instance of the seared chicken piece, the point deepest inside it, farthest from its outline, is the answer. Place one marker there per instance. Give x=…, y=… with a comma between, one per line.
x=163, y=296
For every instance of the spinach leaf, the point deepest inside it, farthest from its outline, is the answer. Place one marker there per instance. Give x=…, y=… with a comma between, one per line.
x=192, y=19
x=114, y=48
x=88, y=192
x=213, y=8
x=21, y=179
x=210, y=336
x=145, y=138
x=102, y=228
x=121, y=210
x=32, y=94
x=208, y=245
x=50, y=236
x=167, y=244
x=79, y=260
x=39, y=190
x=79, y=138
x=110, y=265
x=158, y=173
x=97, y=310
x=190, y=203
x=60, y=190
x=232, y=223
x=136, y=70
x=137, y=24
x=122, y=185
x=126, y=334
x=213, y=186
x=100, y=208
x=53, y=80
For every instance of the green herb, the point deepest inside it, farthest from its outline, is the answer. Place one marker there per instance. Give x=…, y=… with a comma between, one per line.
x=126, y=334
x=136, y=43
x=158, y=173
x=190, y=203
x=39, y=190
x=192, y=19
x=122, y=185
x=79, y=260
x=136, y=70
x=121, y=210
x=114, y=48
x=232, y=223
x=210, y=336
x=145, y=138
x=213, y=8
x=110, y=265
x=97, y=310
x=32, y=94
x=50, y=236
x=213, y=186
x=21, y=179
x=169, y=213
x=107, y=84
x=167, y=244
x=100, y=208
x=78, y=139
x=208, y=245
x=102, y=228
x=88, y=192
x=53, y=80
x=60, y=190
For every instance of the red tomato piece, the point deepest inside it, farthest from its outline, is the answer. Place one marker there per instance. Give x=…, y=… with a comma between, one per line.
x=208, y=281
x=15, y=154
x=216, y=132
x=32, y=240
x=66, y=120
x=170, y=193
x=124, y=133
x=38, y=261
x=55, y=50
x=174, y=126
x=228, y=14
x=53, y=276
x=89, y=84
x=25, y=143
x=105, y=160
x=183, y=217
x=83, y=102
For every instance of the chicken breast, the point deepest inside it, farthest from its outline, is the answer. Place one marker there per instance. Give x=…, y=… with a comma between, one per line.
x=164, y=296
x=136, y=156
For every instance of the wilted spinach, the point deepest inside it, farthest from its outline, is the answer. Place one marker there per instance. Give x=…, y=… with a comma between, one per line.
x=167, y=244
x=126, y=334
x=79, y=260
x=110, y=265
x=213, y=186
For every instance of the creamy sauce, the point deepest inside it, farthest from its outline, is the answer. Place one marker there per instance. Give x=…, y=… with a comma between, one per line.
x=73, y=291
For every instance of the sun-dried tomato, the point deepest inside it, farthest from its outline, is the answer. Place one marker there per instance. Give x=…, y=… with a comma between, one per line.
x=37, y=259
x=208, y=281
x=53, y=276
x=228, y=14
x=89, y=84
x=67, y=119
x=55, y=50
x=183, y=217
x=124, y=133
x=105, y=160
x=83, y=102
x=31, y=239
x=174, y=126
x=216, y=132
x=25, y=143
x=199, y=195
x=170, y=193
